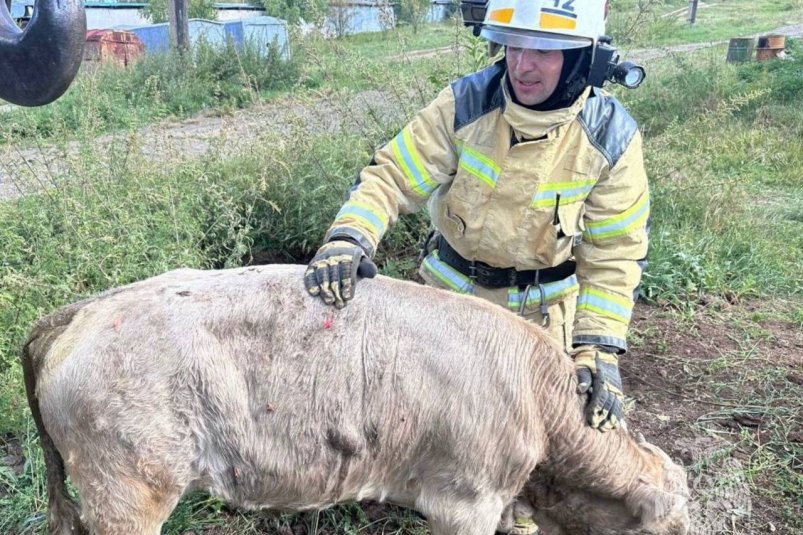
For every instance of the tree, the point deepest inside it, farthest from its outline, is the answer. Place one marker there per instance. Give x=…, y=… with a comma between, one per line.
x=156, y=10
x=295, y=10
x=414, y=12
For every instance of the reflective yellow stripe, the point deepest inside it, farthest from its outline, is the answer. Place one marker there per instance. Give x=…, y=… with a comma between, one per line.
x=447, y=274
x=483, y=158
x=609, y=305
x=574, y=191
x=366, y=214
x=408, y=158
x=624, y=223
x=553, y=292
x=479, y=165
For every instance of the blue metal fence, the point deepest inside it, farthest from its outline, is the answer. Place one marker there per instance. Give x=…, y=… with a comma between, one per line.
x=262, y=31
x=353, y=16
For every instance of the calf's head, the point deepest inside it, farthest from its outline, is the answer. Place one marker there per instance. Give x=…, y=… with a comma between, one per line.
x=655, y=503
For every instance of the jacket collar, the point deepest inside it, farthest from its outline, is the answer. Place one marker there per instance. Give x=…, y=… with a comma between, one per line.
x=532, y=124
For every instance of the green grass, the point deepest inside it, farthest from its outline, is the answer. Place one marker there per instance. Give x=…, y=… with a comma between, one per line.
x=387, y=60
x=723, y=155
x=167, y=85
x=716, y=20
x=156, y=87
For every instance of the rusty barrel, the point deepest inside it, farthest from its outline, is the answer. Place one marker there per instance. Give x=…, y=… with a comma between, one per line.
x=740, y=49
x=769, y=46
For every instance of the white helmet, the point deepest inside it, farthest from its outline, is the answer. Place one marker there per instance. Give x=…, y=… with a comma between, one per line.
x=544, y=24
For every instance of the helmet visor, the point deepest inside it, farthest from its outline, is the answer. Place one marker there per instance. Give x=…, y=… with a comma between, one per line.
x=529, y=39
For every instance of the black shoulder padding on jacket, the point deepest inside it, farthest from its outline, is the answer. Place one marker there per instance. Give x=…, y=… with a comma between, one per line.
x=477, y=94
x=609, y=126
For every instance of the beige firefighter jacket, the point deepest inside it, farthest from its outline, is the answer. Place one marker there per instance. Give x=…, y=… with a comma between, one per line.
x=513, y=187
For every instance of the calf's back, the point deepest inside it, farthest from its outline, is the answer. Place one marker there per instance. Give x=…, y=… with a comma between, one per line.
x=239, y=383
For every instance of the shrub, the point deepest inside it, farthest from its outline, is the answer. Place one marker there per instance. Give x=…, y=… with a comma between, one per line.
x=413, y=12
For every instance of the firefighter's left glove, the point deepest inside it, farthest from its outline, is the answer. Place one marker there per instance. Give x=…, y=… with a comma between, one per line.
x=598, y=378
x=332, y=273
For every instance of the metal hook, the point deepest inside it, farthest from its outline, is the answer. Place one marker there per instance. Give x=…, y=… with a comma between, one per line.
x=544, y=307
x=523, y=303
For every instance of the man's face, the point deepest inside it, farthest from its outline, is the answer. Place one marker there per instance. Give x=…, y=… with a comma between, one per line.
x=534, y=74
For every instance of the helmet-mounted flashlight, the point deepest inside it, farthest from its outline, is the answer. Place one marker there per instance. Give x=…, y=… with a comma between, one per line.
x=473, y=12
x=629, y=74
x=606, y=68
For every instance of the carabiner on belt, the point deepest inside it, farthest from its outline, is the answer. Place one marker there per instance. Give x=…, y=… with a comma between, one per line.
x=544, y=307
x=523, y=303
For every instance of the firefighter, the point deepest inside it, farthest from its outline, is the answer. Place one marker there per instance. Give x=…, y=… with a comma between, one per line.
x=536, y=186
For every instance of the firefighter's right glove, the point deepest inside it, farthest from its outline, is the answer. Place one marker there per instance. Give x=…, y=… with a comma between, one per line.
x=598, y=378
x=332, y=273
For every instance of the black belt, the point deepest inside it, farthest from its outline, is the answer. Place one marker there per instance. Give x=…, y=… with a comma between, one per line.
x=494, y=277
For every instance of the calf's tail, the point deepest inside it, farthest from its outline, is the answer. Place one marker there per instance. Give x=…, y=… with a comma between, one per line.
x=63, y=515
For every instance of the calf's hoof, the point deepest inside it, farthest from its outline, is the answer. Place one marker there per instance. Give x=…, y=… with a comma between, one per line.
x=521, y=526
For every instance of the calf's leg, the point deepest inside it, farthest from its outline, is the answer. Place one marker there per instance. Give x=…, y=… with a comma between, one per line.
x=465, y=517
x=123, y=498
x=126, y=506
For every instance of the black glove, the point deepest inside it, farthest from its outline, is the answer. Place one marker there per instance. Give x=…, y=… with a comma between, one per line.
x=332, y=272
x=598, y=378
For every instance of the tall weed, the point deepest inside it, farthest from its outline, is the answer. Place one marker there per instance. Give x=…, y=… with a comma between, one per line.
x=158, y=85
x=724, y=208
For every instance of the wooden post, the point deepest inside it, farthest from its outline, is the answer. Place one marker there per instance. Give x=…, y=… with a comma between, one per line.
x=179, y=24
x=692, y=11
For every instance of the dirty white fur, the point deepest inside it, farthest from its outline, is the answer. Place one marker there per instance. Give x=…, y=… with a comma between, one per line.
x=238, y=383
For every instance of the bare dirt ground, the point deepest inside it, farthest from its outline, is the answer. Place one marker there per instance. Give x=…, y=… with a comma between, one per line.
x=720, y=391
